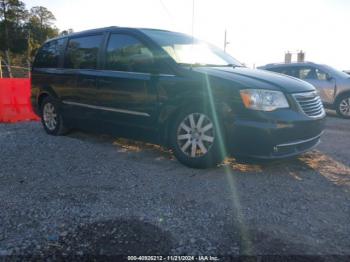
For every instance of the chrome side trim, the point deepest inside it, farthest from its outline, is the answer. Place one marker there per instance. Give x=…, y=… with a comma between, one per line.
x=130, y=112
x=300, y=141
x=133, y=73
x=72, y=70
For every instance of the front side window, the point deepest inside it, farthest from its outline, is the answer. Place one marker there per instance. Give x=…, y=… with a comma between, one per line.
x=185, y=49
x=307, y=73
x=48, y=56
x=310, y=73
x=321, y=75
x=82, y=52
x=126, y=53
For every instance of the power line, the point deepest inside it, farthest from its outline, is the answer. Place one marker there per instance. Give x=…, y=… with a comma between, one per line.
x=167, y=11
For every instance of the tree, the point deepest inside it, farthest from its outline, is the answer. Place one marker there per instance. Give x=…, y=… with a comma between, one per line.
x=12, y=13
x=22, y=32
x=40, y=28
x=42, y=17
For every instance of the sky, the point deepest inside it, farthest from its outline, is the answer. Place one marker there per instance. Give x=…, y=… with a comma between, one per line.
x=259, y=31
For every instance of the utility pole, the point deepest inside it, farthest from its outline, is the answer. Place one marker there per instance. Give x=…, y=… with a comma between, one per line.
x=7, y=42
x=29, y=51
x=225, y=41
x=192, y=19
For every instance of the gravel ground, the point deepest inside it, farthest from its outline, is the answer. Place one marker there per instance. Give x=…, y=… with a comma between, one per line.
x=93, y=194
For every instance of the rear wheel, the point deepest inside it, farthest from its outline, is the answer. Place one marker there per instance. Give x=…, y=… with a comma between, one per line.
x=195, y=139
x=51, y=118
x=343, y=106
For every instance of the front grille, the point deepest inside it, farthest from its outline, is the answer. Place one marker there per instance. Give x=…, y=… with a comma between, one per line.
x=310, y=103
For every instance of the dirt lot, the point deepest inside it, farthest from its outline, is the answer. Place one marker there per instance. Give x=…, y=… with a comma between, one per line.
x=89, y=194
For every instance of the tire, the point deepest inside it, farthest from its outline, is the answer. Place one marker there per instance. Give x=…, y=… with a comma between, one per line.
x=196, y=139
x=343, y=106
x=51, y=118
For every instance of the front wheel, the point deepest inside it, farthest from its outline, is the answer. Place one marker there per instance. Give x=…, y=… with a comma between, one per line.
x=197, y=139
x=343, y=106
x=51, y=118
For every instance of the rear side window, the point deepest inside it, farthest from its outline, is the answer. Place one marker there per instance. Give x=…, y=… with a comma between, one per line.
x=277, y=70
x=307, y=73
x=49, y=54
x=126, y=53
x=290, y=71
x=82, y=52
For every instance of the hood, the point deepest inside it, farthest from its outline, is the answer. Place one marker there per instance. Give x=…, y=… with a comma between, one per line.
x=259, y=79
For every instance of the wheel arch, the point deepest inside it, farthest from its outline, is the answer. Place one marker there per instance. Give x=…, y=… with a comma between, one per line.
x=169, y=112
x=337, y=103
x=341, y=95
x=46, y=91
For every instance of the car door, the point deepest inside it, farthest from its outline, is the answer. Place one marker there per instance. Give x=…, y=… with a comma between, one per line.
x=320, y=80
x=127, y=88
x=80, y=63
x=327, y=85
x=47, y=68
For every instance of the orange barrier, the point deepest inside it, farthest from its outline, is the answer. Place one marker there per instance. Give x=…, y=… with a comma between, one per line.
x=15, y=100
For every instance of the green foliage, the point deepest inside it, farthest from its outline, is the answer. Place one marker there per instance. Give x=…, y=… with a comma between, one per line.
x=40, y=24
x=23, y=31
x=12, y=10
x=12, y=16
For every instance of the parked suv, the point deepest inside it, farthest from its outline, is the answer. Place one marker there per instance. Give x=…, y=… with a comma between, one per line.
x=189, y=95
x=332, y=85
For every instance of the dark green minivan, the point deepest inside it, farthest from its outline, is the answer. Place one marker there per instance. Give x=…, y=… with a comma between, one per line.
x=181, y=92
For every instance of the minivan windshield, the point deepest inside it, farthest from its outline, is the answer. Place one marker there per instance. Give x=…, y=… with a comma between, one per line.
x=186, y=50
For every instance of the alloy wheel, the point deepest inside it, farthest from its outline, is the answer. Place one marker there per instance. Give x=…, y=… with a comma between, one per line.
x=195, y=135
x=50, y=116
x=344, y=106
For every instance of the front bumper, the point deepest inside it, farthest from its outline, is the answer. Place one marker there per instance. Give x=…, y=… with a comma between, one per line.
x=274, y=135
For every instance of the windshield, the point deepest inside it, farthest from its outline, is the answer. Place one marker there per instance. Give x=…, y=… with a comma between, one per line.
x=333, y=71
x=189, y=51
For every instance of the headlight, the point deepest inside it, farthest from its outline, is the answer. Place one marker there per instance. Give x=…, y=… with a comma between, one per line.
x=264, y=100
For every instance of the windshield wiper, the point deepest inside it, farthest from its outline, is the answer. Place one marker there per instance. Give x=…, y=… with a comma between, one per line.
x=192, y=65
x=209, y=65
x=228, y=65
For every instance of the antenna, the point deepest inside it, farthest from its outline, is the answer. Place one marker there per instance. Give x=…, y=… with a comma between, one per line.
x=192, y=21
x=192, y=30
x=167, y=12
x=225, y=41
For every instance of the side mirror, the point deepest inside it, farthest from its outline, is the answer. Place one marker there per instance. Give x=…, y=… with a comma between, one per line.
x=329, y=78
